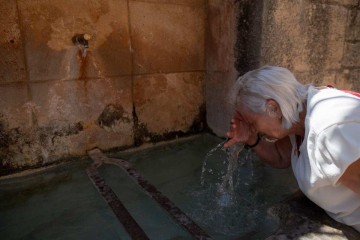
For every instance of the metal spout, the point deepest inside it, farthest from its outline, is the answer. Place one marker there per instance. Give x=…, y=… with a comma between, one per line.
x=81, y=39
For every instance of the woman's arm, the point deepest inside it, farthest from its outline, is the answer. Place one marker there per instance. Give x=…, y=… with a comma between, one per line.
x=351, y=177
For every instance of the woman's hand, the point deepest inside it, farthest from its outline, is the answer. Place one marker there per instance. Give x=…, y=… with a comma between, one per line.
x=240, y=131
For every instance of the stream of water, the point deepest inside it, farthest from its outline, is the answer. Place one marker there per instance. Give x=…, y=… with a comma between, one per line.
x=225, y=188
x=227, y=180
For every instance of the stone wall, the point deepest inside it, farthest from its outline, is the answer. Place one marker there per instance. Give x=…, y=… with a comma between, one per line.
x=142, y=78
x=318, y=40
x=221, y=56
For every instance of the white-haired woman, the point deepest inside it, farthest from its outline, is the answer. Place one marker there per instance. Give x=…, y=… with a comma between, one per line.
x=315, y=130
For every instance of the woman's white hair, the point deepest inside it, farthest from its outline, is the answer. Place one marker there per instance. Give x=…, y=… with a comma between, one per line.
x=254, y=88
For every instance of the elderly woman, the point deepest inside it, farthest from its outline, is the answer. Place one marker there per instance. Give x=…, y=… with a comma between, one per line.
x=316, y=130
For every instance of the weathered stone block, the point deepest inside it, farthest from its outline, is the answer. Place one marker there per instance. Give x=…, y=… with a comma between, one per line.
x=105, y=92
x=352, y=56
x=59, y=101
x=168, y=102
x=353, y=33
x=167, y=37
x=346, y=2
x=104, y=139
x=338, y=80
x=74, y=116
x=111, y=106
x=95, y=136
x=182, y=2
x=336, y=34
x=218, y=105
x=317, y=79
x=12, y=67
x=308, y=38
x=15, y=126
x=354, y=78
x=15, y=108
x=51, y=54
x=221, y=35
x=81, y=101
x=283, y=35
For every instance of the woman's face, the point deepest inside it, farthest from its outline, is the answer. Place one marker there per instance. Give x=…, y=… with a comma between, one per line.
x=268, y=124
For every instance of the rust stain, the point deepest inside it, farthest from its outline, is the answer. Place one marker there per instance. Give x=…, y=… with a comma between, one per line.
x=83, y=65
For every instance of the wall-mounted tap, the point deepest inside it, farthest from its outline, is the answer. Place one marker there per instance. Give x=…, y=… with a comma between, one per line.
x=81, y=39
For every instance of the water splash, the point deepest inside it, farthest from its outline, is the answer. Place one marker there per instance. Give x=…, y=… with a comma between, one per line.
x=226, y=198
x=226, y=188
x=232, y=154
x=207, y=157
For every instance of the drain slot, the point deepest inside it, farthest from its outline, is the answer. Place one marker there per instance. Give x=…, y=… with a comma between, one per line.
x=130, y=225
x=179, y=217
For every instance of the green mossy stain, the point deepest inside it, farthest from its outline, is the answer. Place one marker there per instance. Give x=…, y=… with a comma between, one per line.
x=13, y=141
x=4, y=136
x=111, y=115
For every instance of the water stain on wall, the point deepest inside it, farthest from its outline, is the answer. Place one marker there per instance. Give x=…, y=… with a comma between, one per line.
x=249, y=29
x=143, y=135
x=24, y=148
x=112, y=118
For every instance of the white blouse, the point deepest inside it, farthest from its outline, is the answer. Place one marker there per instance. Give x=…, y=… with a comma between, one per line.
x=331, y=143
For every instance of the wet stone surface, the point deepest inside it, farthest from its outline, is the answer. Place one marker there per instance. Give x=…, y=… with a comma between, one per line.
x=299, y=218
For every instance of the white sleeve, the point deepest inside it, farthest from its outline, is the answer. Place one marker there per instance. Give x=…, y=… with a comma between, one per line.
x=337, y=147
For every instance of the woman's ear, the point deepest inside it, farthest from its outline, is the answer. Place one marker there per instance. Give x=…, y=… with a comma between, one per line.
x=273, y=108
